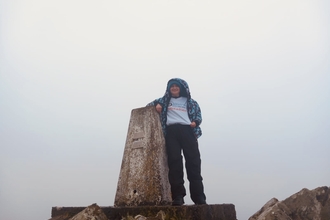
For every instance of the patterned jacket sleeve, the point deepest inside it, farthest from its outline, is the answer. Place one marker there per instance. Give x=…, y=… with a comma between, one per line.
x=196, y=113
x=156, y=101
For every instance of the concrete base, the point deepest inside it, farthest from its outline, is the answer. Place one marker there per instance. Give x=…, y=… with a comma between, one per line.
x=186, y=212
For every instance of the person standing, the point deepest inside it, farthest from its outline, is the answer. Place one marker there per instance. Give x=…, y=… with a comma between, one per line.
x=181, y=117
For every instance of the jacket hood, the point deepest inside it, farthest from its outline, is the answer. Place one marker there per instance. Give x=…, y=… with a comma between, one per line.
x=184, y=88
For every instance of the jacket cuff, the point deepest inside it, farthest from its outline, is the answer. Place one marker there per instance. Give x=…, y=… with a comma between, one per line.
x=197, y=123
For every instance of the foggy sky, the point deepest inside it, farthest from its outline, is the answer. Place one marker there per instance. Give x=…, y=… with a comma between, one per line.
x=72, y=71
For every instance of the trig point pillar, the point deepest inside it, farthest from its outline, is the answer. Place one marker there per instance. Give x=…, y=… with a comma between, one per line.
x=143, y=178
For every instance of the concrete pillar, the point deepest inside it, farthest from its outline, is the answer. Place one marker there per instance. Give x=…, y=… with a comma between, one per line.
x=143, y=178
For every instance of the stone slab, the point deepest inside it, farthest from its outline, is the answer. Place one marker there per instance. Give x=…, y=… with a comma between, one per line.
x=186, y=212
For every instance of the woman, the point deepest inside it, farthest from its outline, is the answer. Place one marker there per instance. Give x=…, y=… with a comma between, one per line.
x=181, y=117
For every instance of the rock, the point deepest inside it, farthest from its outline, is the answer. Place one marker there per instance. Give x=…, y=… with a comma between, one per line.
x=160, y=216
x=191, y=212
x=304, y=205
x=92, y=212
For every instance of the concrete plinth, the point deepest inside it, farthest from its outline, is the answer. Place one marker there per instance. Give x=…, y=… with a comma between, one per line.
x=143, y=178
x=187, y=212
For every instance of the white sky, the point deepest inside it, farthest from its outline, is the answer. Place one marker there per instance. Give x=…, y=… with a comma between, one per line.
x=72, y=71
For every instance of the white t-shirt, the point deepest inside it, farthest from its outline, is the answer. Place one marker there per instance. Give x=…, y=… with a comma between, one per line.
x=177, y=112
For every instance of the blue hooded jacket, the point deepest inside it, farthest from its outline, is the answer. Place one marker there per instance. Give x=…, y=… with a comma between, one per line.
x=193, y=109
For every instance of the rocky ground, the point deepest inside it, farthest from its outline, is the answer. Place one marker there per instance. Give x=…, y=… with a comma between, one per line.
x=303, y=205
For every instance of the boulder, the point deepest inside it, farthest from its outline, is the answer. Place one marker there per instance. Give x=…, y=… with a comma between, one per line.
x=92, y=212
x=303, y=205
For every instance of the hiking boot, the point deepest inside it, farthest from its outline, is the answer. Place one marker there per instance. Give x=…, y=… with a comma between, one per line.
x=178, y=201
x=200, y=202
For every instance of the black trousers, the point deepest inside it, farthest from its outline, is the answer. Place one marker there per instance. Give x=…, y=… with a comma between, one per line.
x=180, y=138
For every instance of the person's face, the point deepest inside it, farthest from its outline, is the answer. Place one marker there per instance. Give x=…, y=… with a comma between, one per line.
x=175, y=90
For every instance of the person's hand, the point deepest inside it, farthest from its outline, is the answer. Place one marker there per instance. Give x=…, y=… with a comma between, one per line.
x=193, y=124
x=158, y=108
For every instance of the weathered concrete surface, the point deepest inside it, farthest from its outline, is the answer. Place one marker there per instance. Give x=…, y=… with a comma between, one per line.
x=186, y=212
x=143, y=178
x=304, y=205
